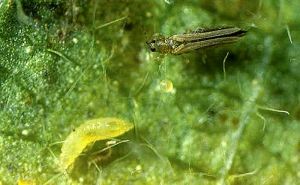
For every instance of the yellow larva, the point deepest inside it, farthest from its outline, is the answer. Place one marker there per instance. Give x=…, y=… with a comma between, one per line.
x=90, y=131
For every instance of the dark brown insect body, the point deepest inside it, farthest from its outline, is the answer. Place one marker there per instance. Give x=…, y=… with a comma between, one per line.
x=183, y=43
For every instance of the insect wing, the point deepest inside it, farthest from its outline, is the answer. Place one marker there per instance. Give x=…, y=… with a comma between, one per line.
x=208, y=34
x=185, y=48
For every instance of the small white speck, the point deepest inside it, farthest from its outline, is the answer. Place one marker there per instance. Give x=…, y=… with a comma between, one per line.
x=148, y=14
x=112, y=142
x=75, y=40
x=25, y=132
x=168, y=1
x=28, y=49
x=138, y=168
x=81, y=179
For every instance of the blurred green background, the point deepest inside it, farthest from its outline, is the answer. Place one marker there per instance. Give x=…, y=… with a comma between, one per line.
x=64, y=62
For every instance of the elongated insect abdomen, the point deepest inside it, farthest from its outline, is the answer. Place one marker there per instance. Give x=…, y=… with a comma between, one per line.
x=204, y=35
x=203, y=44
x=183, y=43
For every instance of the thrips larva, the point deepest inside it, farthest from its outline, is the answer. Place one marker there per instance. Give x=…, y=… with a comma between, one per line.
x=90, y=131
x=201, y=38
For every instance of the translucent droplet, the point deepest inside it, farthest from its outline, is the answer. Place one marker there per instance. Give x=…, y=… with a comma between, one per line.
x=167, y=86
